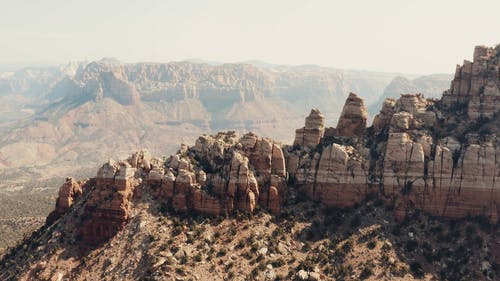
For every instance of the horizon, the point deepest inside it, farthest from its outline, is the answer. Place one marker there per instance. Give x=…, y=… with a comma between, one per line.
x=387, y=36
x=14, y=67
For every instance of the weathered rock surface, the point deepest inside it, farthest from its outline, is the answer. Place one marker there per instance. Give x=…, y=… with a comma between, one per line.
x=352, y=121
x=69, y=192
x=412, y=158
x=224, y=173
x=409, y=157
x=334, y=173
x=431, y=86
x=476, y=85
x=108, y=204
x=310, y=135
x=434, y=160
x=336, y=176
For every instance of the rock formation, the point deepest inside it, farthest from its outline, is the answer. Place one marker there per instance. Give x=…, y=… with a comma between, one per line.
x=69, y=192
x=219, y=174
x=476, y=86
x=334, y=173
x=310, y=135
x=352, y=121
x=108, y=202
x=224, y=173
x=413, y=157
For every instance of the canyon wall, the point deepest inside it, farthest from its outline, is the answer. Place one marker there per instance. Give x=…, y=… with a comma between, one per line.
x=439, y=156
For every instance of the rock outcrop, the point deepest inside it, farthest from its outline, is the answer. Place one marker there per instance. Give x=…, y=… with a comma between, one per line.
x=410, y=158
x=107, y=207
x=334, y=173
x=352, y=121
x=439, y=175
x=224, y=173
x=310, y=135
x=69, y=192
x=435, y=159
x=476, y=85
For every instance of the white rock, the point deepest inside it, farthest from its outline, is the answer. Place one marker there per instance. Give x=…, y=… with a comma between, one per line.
x=314, y=276
x=302, y=275
x=262, y=251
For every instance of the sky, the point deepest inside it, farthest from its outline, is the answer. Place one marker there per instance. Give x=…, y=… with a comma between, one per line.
x=420, y=37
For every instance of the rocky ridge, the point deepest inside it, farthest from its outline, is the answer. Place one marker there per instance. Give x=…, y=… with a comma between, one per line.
x=410, y=158
x=58, y=121
x=403, y=158
x=431, y=86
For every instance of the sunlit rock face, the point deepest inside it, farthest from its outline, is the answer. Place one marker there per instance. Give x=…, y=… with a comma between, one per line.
x=476, y=86
x=438, y=156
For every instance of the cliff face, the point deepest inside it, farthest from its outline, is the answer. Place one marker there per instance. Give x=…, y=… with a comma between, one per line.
x=413, y=157
x=223, y=174
x=461, y=169
x=476, y=85
x=220, y=174
x=440, y=156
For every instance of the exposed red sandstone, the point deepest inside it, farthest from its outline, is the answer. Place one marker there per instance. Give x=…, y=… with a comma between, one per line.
x=107, y=207
x=69, y=192
x=409, y=157
x=310, y=135
x=352, y=121
x=223, y=173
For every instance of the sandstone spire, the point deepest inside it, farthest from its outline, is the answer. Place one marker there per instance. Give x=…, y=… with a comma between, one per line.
x=311, y=134
x=352, y=121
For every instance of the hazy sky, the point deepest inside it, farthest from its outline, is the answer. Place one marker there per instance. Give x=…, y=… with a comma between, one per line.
x=417, y=36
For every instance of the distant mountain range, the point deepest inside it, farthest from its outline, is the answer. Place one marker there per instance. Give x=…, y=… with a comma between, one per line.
x=61, y=120
x=83, y=112
x=432, y=86
x=413, y=196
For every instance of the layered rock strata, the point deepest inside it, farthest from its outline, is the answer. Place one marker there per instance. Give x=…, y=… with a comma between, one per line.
x=412, y=158
x=69, y=192
x=219, y=174
x=352, y=121
x=439, y=175
x=476, y=85
x=223, y=173
x=107, y=207
x=409, y=157
x=332, y=172
x=310, y=135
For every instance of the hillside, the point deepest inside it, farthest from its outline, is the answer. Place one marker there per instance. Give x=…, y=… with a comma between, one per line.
x=414, y=196
x=58, y=121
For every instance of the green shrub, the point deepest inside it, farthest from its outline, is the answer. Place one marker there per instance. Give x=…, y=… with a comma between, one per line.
x=416, y=269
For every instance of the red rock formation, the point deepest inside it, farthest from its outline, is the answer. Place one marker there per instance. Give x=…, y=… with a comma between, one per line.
x=223, y=173
x=382, y=120
x=408, y=163
x=310, y=135
x=338, y=173
x=441, y=176
x=411, y=157
x=69, y=193
x=352, y=121
x=336, y=176
x=107, y=208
